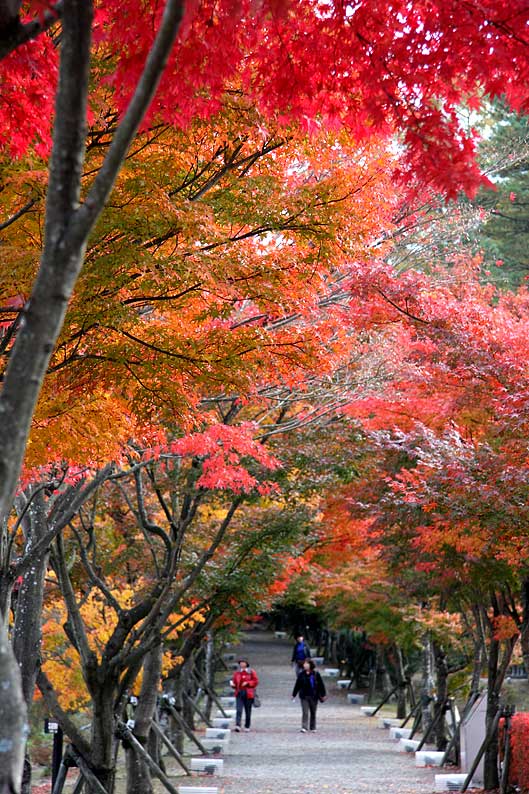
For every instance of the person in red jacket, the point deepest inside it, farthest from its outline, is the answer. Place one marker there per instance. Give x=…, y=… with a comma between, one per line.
x=244, y=682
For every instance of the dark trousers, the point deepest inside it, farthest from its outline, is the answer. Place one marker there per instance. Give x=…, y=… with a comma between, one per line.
x=308, y=708
x=246, y=703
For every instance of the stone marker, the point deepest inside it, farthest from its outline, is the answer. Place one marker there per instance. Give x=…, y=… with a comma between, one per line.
x=408, y=745
x=215, y=745
x=230, y=713
x=428, y=758
x=400, y=733
x=218, y=733
x=449, y=782
x=387, y=722
x=211, y=766
x=199, y=790
x=331, y=672
x=221, y=722
x=368, y=711
x=343, y=683
x=355, y=699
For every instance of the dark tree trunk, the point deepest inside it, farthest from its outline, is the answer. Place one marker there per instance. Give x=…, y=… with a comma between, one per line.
x=186, y=686
x=480, y=651
x=497, y=668
x=138, y=771
x=209, y=668
x=400, y=675
x=427, y=685
x=490, y=763
x=28, y=610
x=524, y=632
x=441, y=675
x=14, y=722
x=103, y=741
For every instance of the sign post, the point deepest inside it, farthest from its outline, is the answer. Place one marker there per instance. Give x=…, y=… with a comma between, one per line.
x=51, y=726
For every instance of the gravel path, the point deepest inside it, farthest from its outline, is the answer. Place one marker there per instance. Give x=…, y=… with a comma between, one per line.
x=348, y=754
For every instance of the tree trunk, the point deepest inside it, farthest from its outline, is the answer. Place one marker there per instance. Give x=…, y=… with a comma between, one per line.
x=427, y=688
x=13, y=722
x=102, y=756
x=183, y=710
x=441, y=675
x=209, y=668
x=400, y=675
x=497, y=669
x=383, y=677
x=186, y=686
x=524, y=631
x=27, y=633
x=138, y=771
x=490, y=763
x=480, y=651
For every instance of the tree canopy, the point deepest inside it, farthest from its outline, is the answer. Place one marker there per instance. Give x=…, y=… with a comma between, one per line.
x=239, y=327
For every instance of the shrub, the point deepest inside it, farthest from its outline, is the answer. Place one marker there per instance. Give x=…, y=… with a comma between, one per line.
x=519, y=765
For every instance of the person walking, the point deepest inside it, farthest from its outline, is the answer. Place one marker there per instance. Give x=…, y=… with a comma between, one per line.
x=244, y=682
x=300, y=652
x=311, y=689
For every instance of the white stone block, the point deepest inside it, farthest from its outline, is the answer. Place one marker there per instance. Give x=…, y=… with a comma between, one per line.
x=408, y=745
x=198, y=790
x=389, y=722
x=218, y=733
x=221, y=722
x=230, y=713
x=281, y=635
x=228, y=657
x=215, y=745
x=449, y=782
x=428, y=758
x=343, y=683
x=227, y=700
x=368, y=711
x=400, y=733
x=331, y=672
x=317, y=659
x=355, y=699
x=211, y=766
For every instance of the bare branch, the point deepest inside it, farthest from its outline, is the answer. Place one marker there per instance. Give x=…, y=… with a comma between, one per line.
x=27, y=206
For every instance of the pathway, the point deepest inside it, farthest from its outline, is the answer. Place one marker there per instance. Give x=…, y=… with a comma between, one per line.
x=348, y=754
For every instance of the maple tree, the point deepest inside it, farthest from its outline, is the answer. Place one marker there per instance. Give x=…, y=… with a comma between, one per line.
x=158, y=321
x=448, y=495
x=141, y=557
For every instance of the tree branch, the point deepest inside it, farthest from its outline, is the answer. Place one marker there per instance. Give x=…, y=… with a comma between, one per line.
x=13, y=33
x=145, y=90
x=55, y=708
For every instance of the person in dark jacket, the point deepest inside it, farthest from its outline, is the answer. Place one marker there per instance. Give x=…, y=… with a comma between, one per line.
x=244, y=682
x=300, y=652
x=311, y=689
